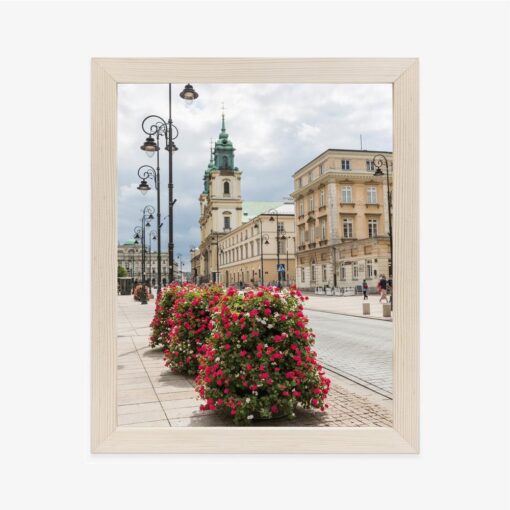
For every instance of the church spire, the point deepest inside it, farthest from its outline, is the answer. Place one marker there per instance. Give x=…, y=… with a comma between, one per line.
x=223, y=148
x=223, y=118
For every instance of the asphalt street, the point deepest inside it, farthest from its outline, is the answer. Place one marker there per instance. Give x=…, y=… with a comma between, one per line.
x=355, y=347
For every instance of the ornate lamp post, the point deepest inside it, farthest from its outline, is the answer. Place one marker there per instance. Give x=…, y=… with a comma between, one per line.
x=148, y=215
x=379, y=161
x=146, y=172
x=156, y=126
x=287, y=271
x=264, y=239
x=279, y=236
x=152, y=237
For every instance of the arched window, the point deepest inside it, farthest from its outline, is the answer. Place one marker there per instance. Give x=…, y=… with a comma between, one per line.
x=225, y=162
x=226, y=188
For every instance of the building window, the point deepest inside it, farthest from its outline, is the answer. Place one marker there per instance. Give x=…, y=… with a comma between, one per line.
x=302, y=275
x=301, y=207
x=354, y=270
x=347, y=228
x=299, y=183
x=321, y=169
x=226, y=188
x=310, y=203
x=301, y=235
x=311, y=234
x=321, y=198
x=347, y=194
x=346, y=164
x=313, y=272
x=226, y=222
x=370, y=269
x=370, y=166
x=281, y=228
x=323, y=230
x=342, y=272
x=372, y=228
x=324, y=273
x=371, y=195
x=310, y=177
x=251, y=248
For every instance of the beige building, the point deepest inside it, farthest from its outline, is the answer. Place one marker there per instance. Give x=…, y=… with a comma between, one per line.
x=341, y=220
x=227, y=227
x=129, y=256
x=249, y=254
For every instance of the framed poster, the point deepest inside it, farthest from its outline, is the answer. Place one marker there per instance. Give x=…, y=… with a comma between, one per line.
x=258, y=340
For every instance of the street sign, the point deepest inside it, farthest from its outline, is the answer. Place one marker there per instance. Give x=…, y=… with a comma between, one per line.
x=280, y=268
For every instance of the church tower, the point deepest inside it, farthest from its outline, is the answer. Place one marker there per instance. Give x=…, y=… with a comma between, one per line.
x=221, y=203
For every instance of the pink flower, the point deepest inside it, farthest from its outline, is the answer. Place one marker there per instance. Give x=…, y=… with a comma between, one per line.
x=226, y=347
x=243, y=354
x=267, y=311
x=274, y=408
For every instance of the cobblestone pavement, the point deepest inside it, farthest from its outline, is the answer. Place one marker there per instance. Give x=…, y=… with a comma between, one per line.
x=149, y=395
x=357, y=348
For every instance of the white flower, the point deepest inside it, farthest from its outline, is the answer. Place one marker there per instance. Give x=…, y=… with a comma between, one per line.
x=250, y=417
x=248, y=399
x=270, y=326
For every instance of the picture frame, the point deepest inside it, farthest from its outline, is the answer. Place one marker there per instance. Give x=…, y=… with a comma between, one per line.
x=403, y=437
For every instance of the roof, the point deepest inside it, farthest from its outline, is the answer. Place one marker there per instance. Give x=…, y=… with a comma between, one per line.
x=130, y=242
x=362, y=151
x=252, y=209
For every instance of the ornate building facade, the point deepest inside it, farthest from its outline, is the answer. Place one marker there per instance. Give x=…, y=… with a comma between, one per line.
x=129, y=256
x=341, y=220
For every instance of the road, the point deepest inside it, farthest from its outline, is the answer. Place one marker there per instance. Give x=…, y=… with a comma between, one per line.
x=358, y=348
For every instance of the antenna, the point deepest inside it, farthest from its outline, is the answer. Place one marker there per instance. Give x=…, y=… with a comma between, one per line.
x=361, y=141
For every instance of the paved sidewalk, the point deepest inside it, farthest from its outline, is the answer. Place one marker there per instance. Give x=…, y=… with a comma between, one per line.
x=149, y=395
x=346, y=305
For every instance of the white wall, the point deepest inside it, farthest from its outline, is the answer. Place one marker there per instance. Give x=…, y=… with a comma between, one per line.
x=45, y=346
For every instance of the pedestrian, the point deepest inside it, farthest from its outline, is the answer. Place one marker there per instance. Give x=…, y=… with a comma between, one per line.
x=383, y=289
x=365, y=290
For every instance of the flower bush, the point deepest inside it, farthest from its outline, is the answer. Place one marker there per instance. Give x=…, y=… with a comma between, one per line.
x=259, y=361
x=138, y=293
x=162, y=321
x=190, y=327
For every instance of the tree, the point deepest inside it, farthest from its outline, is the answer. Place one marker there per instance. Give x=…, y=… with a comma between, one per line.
x=121, y=272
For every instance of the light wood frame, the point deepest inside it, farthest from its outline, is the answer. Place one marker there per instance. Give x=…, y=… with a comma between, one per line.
x=106, y=436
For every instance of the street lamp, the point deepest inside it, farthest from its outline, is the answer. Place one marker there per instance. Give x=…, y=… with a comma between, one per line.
x=379, y=161
x=264, y=240
x=156, y=126
x=148, y=215
x=287, y=270
x=146, y=172
x=153, y=235
x=278, y=237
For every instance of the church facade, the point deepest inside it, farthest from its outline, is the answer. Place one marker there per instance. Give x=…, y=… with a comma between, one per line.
x=223, y=212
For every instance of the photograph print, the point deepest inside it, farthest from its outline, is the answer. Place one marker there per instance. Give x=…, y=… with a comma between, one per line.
x=254, y=255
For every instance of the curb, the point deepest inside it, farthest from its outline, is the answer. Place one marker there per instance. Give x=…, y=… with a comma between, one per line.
x=351, y=315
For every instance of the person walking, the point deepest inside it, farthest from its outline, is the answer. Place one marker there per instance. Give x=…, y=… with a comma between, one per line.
x=383, y=289
x=365, y=290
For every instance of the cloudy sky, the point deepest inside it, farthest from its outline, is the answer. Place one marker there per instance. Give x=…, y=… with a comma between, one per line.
x=275, y=128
